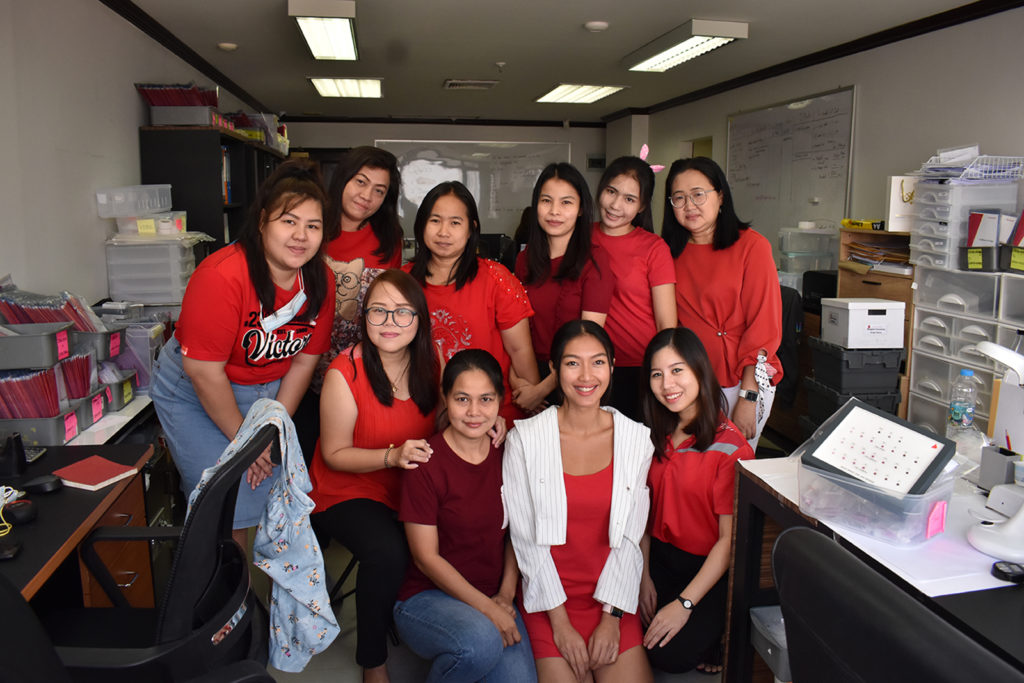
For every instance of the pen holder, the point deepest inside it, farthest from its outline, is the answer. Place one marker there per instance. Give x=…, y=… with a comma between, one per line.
x=12, y=458
x=996, y=467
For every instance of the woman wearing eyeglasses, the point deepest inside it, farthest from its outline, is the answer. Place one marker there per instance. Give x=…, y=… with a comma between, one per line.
x=255, y=318
x=727, y=289
x=376, y=412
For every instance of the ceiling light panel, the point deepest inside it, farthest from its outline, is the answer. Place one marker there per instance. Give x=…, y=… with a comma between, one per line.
x=347, y=87
x=568, y=93
x=692, y=39
x=328, y=27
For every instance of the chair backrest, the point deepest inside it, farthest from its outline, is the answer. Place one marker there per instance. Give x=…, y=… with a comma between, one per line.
x=846, y=623
x=210, y=570
x=32, y=656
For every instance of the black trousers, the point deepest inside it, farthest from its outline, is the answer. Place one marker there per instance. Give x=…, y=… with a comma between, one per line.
x=373, y=534
x=671, y=570
x=307, y=424
x=627, y=383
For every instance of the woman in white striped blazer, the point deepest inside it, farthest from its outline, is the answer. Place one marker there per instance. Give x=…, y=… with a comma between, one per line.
x=574, y=488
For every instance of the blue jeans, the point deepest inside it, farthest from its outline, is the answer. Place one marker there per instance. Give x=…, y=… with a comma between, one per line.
x=195, y=440
x=463, y=643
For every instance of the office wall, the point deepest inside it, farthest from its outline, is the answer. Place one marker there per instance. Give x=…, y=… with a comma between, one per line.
x=69, y=119
x=961, y=85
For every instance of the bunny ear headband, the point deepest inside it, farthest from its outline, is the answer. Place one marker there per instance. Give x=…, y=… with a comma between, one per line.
x=643, y=156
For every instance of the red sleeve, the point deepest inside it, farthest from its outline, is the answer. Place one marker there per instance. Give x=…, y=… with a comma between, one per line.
x=597, y=282
x=660, y=270
x=511, y=302
x=420, y=502
x=211, y=313
x=762, y=302
x=321, y=339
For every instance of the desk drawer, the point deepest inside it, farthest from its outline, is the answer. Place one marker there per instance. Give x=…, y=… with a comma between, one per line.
x=876, y=285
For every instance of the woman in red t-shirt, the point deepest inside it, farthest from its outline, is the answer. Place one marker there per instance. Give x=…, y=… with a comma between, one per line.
x=565, y=277
x=456, y=604
x=687, y=551
x=644, y=300
x=377, y=411
x=362, y=237
x=474, y=302
x=254, y=320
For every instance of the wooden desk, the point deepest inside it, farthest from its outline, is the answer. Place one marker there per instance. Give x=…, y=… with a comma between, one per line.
x=65, y=517
x=994, y=617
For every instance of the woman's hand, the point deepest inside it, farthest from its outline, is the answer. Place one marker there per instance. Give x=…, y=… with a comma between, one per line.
x=604, y=642
x=669, y=621
x=648, y=598
x=570, y=644
x=530, y=397
x=260, y=469
x=744, y=416
x=498, y=432
x=504, y=619
x=410, y=454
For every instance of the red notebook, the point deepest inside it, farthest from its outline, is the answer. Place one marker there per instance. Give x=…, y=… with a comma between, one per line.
x=93, y=473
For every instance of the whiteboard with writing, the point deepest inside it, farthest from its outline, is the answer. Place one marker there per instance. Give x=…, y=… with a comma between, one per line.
x=791, y=162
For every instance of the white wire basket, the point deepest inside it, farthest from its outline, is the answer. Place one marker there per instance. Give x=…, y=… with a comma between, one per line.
x=984, y=167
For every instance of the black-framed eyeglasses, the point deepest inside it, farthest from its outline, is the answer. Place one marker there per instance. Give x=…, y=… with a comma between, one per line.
x=378, y=315
x=697, y=198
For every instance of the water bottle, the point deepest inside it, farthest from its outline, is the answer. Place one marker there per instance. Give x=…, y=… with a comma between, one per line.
x=960, y=426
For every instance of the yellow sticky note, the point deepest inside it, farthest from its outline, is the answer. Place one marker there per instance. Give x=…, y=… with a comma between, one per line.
x=127, y=391
x=147, y=226
x=975, y=259
x=1017, y=258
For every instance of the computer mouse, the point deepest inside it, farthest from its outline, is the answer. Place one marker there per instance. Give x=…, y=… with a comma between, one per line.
x=19, y=512
x=9, y=550
x=44, y=484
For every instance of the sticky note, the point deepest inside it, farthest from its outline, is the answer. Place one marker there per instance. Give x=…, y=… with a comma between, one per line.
x=936, y=519
x=127, y=391
x=70, y=426
x=975, y=259
x=62, y=345
x=1017, y=258
x=115, y=344
x=147, y=226
x=97, y=407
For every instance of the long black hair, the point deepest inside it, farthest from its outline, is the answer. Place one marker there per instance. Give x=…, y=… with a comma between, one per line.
x=577, y=253
x=727, y=225
x=710, y=402
x=473, y=359
x=640, y=171
x=384, y=222
x=424, y=366
x=580, y=328
x=292, y=183
x=466, y=266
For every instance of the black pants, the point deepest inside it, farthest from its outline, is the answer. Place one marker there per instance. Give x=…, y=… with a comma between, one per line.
x=307, y=424
x=671, y=570
x=374, y=536
x=627, y=383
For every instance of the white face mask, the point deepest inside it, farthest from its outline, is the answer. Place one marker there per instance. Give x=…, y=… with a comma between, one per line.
x=284, y=315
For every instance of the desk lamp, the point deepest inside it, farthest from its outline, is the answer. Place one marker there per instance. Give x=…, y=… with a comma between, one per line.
x=1002, y=540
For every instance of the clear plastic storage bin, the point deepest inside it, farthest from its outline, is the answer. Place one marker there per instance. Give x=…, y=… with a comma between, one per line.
x=800, y=262
x=933, y=228
x=932, y=260
x=820, y=240
x=932, y=376
x=154, y=289
x=973, y=294
x=934, y=245
x=1011, y=299
x=136, y=200
x=898, y=519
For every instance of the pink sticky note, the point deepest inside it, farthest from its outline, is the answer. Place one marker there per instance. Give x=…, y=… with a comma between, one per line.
x=62, y=345
x=70, y=426
x=936, y=519
x=110, y=398
x=97, y=407
x=115, y=344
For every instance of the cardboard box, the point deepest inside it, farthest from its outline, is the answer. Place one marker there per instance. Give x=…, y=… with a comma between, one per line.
x=862, y=323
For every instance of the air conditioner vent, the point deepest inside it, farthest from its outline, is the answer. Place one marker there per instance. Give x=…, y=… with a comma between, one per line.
x=468, y=84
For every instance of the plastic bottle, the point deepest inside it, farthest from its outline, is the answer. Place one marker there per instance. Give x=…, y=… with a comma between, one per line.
x=960, y=426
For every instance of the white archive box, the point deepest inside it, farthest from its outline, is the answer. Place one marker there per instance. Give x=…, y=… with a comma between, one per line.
x=862, y=323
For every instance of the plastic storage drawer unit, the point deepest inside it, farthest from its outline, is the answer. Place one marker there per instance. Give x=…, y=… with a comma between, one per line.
x=933, y=376
x=974, y=294
x=933, y=415
x=135, y=200
x=848, y=371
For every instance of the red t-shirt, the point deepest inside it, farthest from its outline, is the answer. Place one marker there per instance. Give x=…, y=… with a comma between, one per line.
x=474, y=316
x=377, y=426
x=220, y=321
x=640, y=261
x=350, y=255
x=691, y=488
x=463, y=501
x=556, y=302
x=730, y=298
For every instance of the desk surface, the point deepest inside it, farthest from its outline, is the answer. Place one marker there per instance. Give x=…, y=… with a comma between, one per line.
x=65, y=516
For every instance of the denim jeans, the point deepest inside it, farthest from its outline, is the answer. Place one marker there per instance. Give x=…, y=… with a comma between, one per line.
x=463, y=643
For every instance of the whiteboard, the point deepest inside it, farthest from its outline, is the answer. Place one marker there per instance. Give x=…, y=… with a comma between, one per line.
x=500, y=175
x=791, y=162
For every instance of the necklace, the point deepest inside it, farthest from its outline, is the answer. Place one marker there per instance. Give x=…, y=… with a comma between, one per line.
x=394, y=383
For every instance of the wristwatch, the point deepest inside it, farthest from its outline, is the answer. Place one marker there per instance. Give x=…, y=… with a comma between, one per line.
x=614, y=611
x=748, y=394
x=685, y=602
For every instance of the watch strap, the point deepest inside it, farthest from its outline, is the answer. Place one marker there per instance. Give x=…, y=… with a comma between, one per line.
x=685, y=602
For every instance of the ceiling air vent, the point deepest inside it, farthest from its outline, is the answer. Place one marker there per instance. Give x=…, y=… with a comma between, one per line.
x=468, y=84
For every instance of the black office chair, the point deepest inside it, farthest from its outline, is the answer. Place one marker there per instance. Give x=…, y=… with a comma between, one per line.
x=208, y=617
x=846, y=623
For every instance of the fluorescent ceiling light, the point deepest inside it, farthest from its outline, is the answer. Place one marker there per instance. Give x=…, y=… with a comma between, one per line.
x=347, y=87
x=579, y=94
x=682, y=44
x=328, y=27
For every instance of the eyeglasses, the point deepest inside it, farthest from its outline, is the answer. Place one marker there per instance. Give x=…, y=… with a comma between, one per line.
x=378, y=315
x=697, y=198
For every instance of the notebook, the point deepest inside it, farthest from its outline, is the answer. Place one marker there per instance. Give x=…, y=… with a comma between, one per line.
x=93, y=473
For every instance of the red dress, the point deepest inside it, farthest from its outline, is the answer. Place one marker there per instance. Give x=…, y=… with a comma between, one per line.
x=579, y=563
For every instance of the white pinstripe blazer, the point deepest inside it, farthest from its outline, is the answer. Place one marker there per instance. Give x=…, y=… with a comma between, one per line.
x=533, y=492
